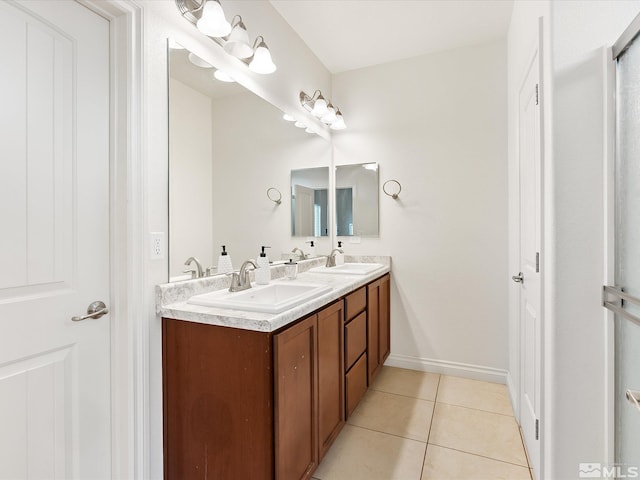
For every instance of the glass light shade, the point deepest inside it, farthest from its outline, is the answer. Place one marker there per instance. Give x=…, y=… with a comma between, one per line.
x=288, y=118
x=238, y=42
x=261, y=62
x=320, y=106
x=197, y=61
x=212, y=22
x=300, y=124
x=223, y=76
x=330, y=116
x=339, y=123
x=308, y=130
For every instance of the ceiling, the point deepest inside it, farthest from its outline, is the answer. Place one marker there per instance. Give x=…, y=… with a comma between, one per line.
x=350, y=34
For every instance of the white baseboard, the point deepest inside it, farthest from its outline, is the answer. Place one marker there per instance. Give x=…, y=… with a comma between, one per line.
x=473, y=372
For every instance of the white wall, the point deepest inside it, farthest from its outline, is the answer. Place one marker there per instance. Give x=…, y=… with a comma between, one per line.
x=255, y=149
x=437, y=124
x=577, y=371
x=191, y=172
x=298, y=69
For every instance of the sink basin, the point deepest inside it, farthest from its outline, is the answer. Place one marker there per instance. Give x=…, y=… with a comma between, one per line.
x=273, y=298
x=349, y=268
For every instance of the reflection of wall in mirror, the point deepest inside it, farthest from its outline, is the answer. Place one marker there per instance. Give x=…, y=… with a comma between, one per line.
x=309, y=202
x=363, y=183
x=190, y=171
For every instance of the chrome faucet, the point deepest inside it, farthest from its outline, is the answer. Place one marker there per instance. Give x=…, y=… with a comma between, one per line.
x=194, y=273
x=240, y=280
x=331, y=259
x=302, y=255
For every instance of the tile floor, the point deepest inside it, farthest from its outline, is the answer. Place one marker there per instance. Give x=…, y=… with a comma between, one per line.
x=417, y=426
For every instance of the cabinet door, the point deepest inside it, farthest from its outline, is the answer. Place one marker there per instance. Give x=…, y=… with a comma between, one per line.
x=296, y=400
x=330, y=375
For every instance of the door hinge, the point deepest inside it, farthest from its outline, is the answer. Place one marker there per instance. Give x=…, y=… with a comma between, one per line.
x=537, y=94
x=537, y=429
x=537, y=262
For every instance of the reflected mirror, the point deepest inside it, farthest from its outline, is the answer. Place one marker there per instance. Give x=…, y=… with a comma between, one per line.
x=309, y=202
x=357, y=200
x=227, y=147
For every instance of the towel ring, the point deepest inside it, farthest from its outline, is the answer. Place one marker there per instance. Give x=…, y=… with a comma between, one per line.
x=392, y=195
x=274, y=195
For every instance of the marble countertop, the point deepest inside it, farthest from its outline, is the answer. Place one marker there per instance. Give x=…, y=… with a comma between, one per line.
x=171, y=298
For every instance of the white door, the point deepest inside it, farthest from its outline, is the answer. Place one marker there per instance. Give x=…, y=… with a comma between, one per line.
x=529, y=152
x=54, y=241
x=305, y=214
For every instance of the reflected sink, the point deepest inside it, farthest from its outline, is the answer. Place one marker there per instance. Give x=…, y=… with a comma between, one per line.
x=273, y=298
x=349, y=268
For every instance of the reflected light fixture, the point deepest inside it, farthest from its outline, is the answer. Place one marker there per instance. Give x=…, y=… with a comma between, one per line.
x=223, y=76
x=288, y=118
x=261, y=61
x=318, y=106
x=300, y=124
x=237, y=43
x=198, y=62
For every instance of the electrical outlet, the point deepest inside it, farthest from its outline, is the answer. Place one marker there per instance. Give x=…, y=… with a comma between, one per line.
x=157, y=245
x=354, y=239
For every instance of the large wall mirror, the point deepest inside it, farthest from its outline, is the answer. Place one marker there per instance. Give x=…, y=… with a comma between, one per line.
x=357, y=200
x=227, y=147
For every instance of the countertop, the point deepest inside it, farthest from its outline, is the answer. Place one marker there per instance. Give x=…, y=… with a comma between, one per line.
x=171, y=298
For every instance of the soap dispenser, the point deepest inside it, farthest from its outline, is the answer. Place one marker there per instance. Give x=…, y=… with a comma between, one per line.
x=263, y=272
x=224, y=262
x=339, y=256
x=312, y=249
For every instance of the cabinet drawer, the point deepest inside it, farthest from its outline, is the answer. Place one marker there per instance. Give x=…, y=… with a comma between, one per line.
x=355, y=303
x=355, y=339
x=356, y=384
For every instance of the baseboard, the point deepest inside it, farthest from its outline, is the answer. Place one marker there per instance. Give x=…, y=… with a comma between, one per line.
x=474, y=372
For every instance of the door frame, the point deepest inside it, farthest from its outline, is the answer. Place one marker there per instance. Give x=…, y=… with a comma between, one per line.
x=609, y=221
x=129, y=333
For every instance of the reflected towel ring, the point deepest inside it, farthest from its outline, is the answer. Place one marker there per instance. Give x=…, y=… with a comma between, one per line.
x=392, y=195
x=274, y=195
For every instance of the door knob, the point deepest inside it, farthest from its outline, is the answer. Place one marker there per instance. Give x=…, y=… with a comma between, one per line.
x=94, y=310
x=518, y=278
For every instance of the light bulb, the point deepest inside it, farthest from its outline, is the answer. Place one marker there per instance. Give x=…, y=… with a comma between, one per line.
x=238, y=42
x=212, y=22
x=330, y=116
x=339, y=123
x=288, y=118
x=223, y=76
x=197, y=61
x=261, y=62
x=319, y=107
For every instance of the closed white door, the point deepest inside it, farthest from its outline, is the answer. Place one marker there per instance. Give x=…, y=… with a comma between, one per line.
x=529, y=151
x=54, y=243
x=305, y=213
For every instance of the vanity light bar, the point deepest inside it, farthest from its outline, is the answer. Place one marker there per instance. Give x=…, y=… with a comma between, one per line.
x=323, y=109
x=209, y=18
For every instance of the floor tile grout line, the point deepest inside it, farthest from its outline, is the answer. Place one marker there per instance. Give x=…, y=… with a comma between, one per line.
x=478, y=455
x=524, y=446
x=478, y=410
x=433, y=414
x=387, y=433
x=401, y=395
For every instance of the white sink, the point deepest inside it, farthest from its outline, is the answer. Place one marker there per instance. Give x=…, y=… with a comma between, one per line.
x=273, y=298
x=349, y=268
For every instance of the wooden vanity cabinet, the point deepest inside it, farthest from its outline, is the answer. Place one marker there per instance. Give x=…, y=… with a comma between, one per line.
x=378, y=324
x=268, y=405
